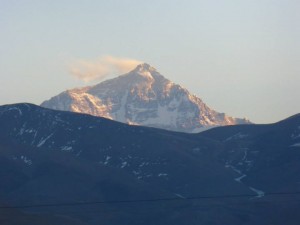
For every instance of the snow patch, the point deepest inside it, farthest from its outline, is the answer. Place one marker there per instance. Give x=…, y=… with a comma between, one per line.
x=22, y=130
x=15, y=108
x=238, y=179
x=236, y=137
x=124, y=164
x=162, y=174
x=107, y=160
x=34, y=137
x=295, y=145
x=259, y=193
x=136, y=172
x=179, y=195
x=295, y=136
x=234, y=169
x=29, y=131
x=26, y=160
x=43, y=140
x=142, y=164
x=66, y=148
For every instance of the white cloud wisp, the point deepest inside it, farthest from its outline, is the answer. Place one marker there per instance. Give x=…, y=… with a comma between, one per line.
x=88, y=70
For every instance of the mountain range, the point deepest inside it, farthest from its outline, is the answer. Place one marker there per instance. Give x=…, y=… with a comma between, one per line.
x=143, y=97
x=61, y=167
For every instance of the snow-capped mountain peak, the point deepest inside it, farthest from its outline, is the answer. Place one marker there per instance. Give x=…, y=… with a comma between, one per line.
x=144, y=67
x=143, y=97
x=143, y=73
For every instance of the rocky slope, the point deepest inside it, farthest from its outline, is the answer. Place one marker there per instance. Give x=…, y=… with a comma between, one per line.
x=143, y=97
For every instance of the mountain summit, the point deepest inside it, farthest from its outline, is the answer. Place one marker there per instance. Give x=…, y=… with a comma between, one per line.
x=143, y=97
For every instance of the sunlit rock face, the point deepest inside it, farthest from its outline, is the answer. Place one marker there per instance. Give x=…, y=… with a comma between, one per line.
x=143, y=97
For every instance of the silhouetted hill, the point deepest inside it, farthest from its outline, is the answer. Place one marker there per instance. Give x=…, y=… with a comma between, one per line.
x=54, y=157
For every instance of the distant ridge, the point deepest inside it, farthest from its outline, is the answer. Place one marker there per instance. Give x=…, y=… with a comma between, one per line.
x=143, y=97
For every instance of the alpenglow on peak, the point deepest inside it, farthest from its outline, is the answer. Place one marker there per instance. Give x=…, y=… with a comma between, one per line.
x=144, y=67
x=145, y=70
x=143, y=97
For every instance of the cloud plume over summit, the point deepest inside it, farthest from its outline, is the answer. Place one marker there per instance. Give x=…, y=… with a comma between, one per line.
x=89, y=70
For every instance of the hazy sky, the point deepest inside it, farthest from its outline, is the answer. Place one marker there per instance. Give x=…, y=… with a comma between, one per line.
x=241, y=57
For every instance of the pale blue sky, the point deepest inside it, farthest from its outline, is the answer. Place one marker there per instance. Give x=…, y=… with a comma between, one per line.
x=241, y=57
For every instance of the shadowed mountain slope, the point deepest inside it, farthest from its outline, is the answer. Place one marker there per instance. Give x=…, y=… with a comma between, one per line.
x=56, y=157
